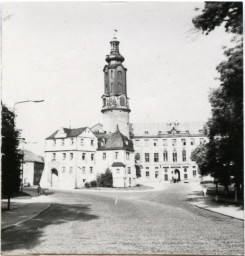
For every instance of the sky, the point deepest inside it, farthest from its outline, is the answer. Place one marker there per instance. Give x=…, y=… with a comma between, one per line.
x=55, y=51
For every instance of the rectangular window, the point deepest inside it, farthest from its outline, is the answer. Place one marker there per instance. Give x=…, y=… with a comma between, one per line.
x=174, y=142
x=62, y=142
x=174, y=157
x=147, y=157
x=84, y=170
x=194, y=173
x=147, y=174
x=92, y=142
x=72, y=141
x=192, y=141
x=201, y=141
x=104, y=156
x=83, y=156
x=183, y=155
x=137, y=143
x=127, y=155
x=116, y=155
x=165, y=177
x=183, y=141
x=63, y=169
x=92, y=157
x=146, y=143
x=165, y=156
x=156, y=174
x=82, y=142
x=54, y=142
x=91, y=169
x=54, y=156
x=71, y=156
x=146, y=132
x=64, y=156
x=71, y=169
x=155, y=143
x=185, y=176
x=165, y=143
x=129, y=170
x=118, y=170
x=156, y=157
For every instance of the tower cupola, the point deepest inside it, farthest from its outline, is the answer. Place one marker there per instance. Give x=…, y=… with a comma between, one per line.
x=115, y=107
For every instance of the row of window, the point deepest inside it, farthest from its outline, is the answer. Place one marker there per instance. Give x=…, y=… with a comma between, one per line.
x=164, y=142
x=129, y=170
x=84, y=155
x=156, y=174
x=82, y=142
x=71, y=170
x=71, y=155
x=165, y=156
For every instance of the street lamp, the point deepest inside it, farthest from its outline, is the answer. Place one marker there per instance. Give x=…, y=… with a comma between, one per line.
x=22, y=139
x=25, y=101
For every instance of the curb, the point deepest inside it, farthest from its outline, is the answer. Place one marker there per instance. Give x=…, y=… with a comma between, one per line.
x=32, y=217
x=209, y=210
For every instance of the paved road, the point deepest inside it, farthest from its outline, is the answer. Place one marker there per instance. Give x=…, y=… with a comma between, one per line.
x=149, y=222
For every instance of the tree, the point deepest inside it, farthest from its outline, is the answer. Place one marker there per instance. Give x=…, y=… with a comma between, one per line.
x=11, y=157
x=216, y=13
x=222, y=156
x=105, y=179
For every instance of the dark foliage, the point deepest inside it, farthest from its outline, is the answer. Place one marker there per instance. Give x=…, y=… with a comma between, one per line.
x=216, y=13
x=105, y=179
x=11, y=157
x=87, y=185
x=222, y=156
x=93, y=183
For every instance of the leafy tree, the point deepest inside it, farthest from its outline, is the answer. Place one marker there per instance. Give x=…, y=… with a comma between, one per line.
x=222, y=156
x=216, y=13
x=105, y=179
x=11, y=157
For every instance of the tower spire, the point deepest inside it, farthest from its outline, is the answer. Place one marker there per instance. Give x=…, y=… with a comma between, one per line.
x=114, y=36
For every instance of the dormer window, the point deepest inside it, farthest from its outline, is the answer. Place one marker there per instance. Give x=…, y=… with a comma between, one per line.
x=146, y=132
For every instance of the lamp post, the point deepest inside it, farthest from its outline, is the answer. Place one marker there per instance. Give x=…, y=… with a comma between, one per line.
x=25, y=101
x=22, y=139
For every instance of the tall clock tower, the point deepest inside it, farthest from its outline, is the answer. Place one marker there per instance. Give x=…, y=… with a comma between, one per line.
x=115, y=101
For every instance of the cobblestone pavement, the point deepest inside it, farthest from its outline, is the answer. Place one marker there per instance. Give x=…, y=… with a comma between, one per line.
x=111, y=223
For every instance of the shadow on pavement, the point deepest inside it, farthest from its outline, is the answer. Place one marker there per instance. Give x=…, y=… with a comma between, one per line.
x=29, y=234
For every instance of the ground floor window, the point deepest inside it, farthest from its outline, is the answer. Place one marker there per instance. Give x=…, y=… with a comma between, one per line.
x=194, y=173
x=147, y=174
x=185, y=176
x=165, y=177
x=156, y=174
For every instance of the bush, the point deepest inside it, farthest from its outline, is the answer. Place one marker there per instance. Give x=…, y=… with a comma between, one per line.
x=105, y=179
x=87, y=185
x=93, y=183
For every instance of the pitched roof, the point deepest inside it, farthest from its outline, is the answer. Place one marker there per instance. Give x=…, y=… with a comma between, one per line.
x=69, y=132
x=153, y=129
x=118, y=164
x=31, y=157
x=114, y=141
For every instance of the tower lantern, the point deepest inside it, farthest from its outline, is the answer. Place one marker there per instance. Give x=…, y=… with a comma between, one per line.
x=115, y=107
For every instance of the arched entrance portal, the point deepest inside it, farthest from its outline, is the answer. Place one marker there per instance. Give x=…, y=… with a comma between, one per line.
x=177, y=175
x=54, y=177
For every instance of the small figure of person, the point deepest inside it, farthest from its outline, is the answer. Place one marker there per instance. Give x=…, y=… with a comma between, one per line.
x=39, y=190
x=204, y=190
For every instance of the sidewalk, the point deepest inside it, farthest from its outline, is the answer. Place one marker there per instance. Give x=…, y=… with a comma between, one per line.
x=221, y=205
x=23, y=209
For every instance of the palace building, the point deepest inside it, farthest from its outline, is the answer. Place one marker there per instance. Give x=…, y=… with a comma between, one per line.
x=159, y=152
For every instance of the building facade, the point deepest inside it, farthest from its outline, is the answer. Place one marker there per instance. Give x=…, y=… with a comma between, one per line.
x=163, y=151
x=160, y=152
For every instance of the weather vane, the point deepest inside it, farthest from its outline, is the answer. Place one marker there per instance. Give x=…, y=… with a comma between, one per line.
x=115, y=32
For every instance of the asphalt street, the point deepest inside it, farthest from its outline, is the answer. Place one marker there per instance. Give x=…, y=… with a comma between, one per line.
x=157, y=222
